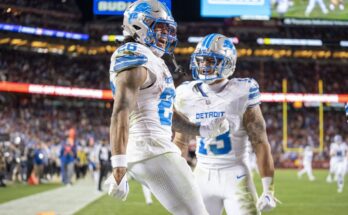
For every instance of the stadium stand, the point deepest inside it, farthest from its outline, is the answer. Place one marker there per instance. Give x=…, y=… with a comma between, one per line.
x=45, y=122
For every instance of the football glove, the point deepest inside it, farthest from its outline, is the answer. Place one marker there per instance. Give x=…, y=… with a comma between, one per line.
x=267, y=202
x=119, y=191
x=214, y=128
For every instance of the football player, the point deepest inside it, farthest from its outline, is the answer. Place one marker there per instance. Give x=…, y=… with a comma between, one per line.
x=340, y=151
x=334, y=3
x=307, y=158
x=222, y=169
x=141, y=121
x=311, y=5
x=333, y=159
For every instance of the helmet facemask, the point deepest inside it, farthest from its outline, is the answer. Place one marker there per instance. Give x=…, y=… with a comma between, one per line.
x=151, y=23
x=161, y=36
x=208, y=66
x=215, y=62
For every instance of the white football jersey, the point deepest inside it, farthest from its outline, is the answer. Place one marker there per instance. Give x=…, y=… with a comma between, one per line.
x=201, y=106
x=339, y=150
x=333, y=157
x=308, y=154
x=150, y=123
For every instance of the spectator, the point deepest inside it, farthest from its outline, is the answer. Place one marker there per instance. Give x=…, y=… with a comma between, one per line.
x=67, y=158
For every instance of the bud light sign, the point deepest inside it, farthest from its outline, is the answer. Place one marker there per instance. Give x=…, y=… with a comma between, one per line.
x=116, y=7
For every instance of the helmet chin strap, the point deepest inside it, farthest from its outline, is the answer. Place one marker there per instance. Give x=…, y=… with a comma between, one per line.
x=211, y=78
x=210, y=81
x=178, y=68
x=158, y=52
x=215, y=86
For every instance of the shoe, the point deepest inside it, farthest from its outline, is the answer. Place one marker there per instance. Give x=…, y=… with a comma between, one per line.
x=299, y=176
x=329, y=179
x=332, y=7
x=340, y=190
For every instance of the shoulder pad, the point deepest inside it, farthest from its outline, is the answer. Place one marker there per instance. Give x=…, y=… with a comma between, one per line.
x=250, y=89
x=254, y=95
x=253, y=86
x=246, y=80
x=127, y=56
x=184, y=89
x=186, y=86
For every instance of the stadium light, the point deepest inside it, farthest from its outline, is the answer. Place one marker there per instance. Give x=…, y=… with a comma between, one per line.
x=112, y=38
x=86, y=49
x=42, y=32
x=289, y=42
x=344, y=43
x=234, y=40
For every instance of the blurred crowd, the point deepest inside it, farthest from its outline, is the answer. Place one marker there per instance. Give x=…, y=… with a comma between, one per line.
x=67, y=15
x=42, y=138
x=52, y=138
x=58, y=14
x=302, y=130
x=92, y=72
x=66, y=6
x=53, y=69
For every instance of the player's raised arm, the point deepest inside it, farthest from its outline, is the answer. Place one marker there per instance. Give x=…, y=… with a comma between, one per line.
x=128, y=84
x=256, y=128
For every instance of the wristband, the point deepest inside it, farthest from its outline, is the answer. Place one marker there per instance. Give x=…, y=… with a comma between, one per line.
x=118, y=161
x=267, y=184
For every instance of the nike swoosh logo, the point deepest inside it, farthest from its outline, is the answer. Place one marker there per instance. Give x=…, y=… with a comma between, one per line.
x=240, y=176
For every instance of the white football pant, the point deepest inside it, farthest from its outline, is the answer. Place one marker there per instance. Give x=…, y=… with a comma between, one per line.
x=307, y=168
x=340, y=173
x=230, y=188
x=311, y=6
x=171, y=180
x=147, y=194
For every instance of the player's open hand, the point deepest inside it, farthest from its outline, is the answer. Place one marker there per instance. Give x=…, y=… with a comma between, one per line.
x=118, y=189
x=214, y=128
x=267, y=202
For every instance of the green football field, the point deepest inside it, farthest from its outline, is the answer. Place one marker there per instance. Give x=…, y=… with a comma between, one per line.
x=298, y=196
x=299, y=7
x=15, y=191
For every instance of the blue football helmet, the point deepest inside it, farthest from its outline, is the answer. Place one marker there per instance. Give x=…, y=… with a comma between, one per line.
x=338, y=138
x=214, y=58
x=151, y=23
